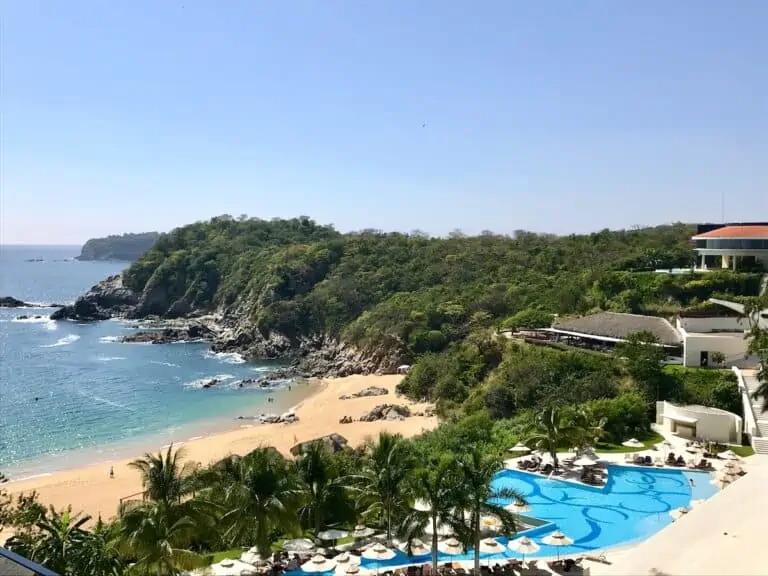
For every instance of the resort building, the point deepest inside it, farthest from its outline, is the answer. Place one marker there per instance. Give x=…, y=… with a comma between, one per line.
x=700, y=422
x=725, y=245
x=713, y=337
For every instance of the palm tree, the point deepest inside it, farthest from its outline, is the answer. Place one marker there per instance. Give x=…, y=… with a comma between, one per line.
x=59, y=543
x=552, y=431
x=323, y=489
x=585, y=428
x=165, y=477
x=437, y=486
x=384, y=489
x=101, y=555
x=478, y=498
x=259, y=495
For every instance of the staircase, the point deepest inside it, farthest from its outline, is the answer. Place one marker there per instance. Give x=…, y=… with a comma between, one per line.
x=748, y=383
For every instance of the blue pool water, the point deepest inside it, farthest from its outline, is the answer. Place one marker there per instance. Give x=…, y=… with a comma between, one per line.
x=634, y=504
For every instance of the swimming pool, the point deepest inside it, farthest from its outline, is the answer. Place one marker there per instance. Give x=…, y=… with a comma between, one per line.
x=634, y=504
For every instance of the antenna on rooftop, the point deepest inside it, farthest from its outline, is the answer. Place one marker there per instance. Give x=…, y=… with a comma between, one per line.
x=722, y=206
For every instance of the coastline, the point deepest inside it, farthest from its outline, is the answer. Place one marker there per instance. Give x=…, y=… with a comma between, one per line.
x=89, y=488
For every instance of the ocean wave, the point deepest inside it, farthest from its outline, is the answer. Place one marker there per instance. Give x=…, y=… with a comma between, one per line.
x=68, y=339
x=200, y=382
x=109, y=339
x=108, y=402
x=226, y=357
x=45, y=320
x=109, y=358
x=169, y=364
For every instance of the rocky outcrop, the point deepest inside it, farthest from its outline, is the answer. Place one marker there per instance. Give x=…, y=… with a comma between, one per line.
x=386, y=412
x=125, y=247
x=195, y=332
x=366, y=392
x=11, y=302
x=108, y=299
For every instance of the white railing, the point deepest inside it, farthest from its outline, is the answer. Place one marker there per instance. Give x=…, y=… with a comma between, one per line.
x=750, y=422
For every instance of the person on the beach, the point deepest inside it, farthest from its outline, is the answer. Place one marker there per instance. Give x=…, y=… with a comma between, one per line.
x=111, y=473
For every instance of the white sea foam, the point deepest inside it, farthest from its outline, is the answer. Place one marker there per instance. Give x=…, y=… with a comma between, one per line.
x=199, y=383
x=108, y=402
x=226, y=357
x=67, y=340
x=31, y=477
x=109, y=358
x=261, y=369
x=109, y=339
x=169, y=364
x=46, y=321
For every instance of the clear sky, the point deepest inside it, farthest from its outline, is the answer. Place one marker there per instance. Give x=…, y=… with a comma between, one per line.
x=556, y=116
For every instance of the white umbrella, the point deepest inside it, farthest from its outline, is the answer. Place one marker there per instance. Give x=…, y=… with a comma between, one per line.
x=558, y=539
x=379, y=552
x=298, y=545
x=418, y=548
x=524, y=546
x=729, y=464
x=344, y=561
x=678, y=513
x=585, y=461
x=490, y=546
x=332, y=534
x=318, y=563
x=518, y=507
x=361, y=531
x=633, y=443
x=490, y=522
x=729, y=455
x=353, y=569
x=519, y=447
x=421, y=505
x=451, y=547
x=231, y=568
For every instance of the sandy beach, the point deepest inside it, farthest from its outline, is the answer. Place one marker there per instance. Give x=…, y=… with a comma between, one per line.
x=91, y=490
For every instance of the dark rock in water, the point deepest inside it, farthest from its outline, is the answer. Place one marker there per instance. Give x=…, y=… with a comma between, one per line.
x=170, y=335
x=22, y=317
x=386, y=412
x=210, y=383
x=11, y=302
x=107, y=299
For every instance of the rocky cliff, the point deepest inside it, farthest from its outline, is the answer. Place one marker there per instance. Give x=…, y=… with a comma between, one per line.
x=124, y=247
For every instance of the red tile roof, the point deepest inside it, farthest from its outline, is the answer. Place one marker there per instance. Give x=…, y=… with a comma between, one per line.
x=735, y=232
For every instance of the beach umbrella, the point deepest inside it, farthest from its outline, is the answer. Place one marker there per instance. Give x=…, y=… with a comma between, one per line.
x=678, y=513
x=520, y=447
x=490, y=522
x=633, y=443
x=418, y=548
x=332, y=534
x=585, y=461
x=298, y=545
x=523, y=546
x=353, y=570
x=490, y=546
x=379, y=553
x=344, y=561
x=450, y=547
x=231, y=568
x=421, y=505
x=518, y=507
x=729, y=455
x=318, y=563
x=557, y=539
x=361, y=531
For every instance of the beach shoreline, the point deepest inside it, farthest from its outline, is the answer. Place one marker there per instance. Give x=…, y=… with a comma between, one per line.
x=90, y=489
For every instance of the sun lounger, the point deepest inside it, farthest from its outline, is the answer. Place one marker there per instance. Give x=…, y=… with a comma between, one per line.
x=659, y=463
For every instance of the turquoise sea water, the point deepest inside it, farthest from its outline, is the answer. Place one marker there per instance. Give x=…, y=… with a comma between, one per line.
x=69, y=393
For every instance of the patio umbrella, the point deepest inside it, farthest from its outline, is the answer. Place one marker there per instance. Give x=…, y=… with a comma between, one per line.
x=344, y=561
x=557, y=539
x=518, y=507
x=318, y=563
x=490, y=522
x=585, y=461
x=678, y=513
x=729, y=455
x=231, y=568
x=332, y=534
x=422, y=505
x=451, y=547
x=298, y=545
x=520, y=447
x=361, y=531
x=524, y=546
x=490, y=546
x=379, y=553
x=418, y=548
x=354, y=569
x=633, y=443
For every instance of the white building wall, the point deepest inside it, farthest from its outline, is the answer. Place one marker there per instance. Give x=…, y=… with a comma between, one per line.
x=726, y=324
x=715, y=426
x=733, y=347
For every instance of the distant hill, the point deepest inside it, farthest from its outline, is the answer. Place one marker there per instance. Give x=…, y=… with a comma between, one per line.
x=126, y=247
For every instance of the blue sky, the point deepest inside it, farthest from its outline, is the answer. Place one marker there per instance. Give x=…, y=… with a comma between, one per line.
x=548, y=116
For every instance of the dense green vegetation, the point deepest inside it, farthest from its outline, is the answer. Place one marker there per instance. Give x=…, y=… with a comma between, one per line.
x=127, y=247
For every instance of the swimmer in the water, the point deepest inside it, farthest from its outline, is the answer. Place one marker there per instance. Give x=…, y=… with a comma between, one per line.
x=692, y=482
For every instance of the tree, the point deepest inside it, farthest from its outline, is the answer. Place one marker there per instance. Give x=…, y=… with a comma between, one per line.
x=384, y=489
x=165, y=477
x=479, y=497
x=323, y=490
x=718, y=358
x=754, y=309
x=437, y=486
x=259, y=495
x=101, y=555
x=586, y=427
x=553, y=430
x=643, y=356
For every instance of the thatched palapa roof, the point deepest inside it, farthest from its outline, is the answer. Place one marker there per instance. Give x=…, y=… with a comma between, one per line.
x=621, y=326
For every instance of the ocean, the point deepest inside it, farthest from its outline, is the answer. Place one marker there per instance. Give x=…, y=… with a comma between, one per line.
x=70, y=394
